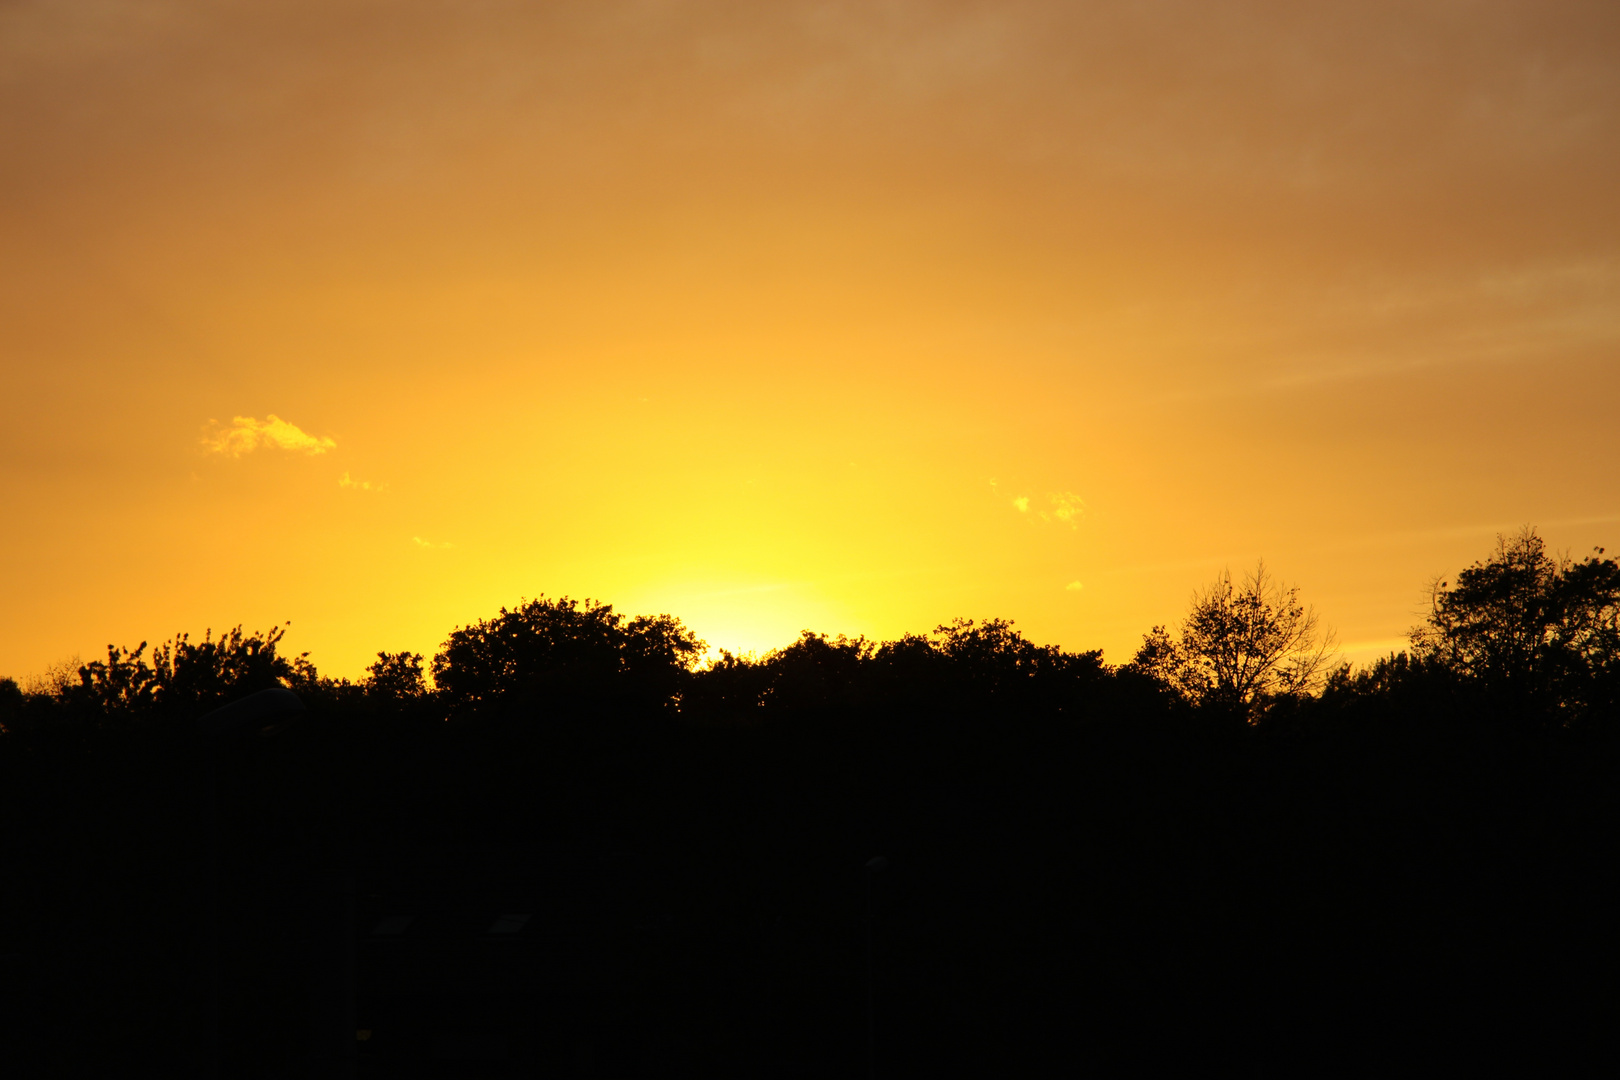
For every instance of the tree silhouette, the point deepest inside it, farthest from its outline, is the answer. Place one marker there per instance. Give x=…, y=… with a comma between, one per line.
x=1241, y=645
x=1537, y=630
x=188, y=675
x=396, y=676
x=565, y=653
x=12, y=700
x=817, y=672
x=1363, y=858
x=730, y=690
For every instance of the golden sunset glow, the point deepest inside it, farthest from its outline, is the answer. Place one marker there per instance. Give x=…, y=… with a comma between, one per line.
x=851, y=317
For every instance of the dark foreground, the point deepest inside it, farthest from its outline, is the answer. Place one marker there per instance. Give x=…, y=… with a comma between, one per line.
x=1087, y=876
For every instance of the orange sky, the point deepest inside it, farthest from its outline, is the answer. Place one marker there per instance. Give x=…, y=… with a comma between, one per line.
x=769, y=315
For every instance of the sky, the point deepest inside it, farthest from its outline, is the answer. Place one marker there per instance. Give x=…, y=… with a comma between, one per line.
x=853, y=317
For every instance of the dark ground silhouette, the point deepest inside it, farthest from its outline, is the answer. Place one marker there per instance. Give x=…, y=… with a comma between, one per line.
x=580, y=856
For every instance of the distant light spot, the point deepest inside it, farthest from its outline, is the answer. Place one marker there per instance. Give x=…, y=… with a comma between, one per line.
x=1074, y=586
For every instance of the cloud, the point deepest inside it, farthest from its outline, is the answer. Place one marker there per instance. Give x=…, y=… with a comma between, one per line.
x=247, y=434
x=421, y=543
x=1066, y=508
x=1073, y=586
x=1062, y=508
x=344, y=481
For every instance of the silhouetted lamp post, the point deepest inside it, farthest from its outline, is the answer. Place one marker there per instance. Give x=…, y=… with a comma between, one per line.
x=874, y=866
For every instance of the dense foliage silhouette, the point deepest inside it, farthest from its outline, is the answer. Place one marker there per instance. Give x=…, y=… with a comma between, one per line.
x=1091, y=867
x=1539, y=632
x=563, y=654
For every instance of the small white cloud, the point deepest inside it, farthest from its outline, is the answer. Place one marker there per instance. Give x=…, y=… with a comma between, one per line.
x=1066, y=508
x=1074, y=586
x=345, y=481
x=421, y=543
x=1062, y=508
x=247, y=434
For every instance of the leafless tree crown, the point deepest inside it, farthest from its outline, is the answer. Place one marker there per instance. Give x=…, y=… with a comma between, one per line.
x=1242, y=643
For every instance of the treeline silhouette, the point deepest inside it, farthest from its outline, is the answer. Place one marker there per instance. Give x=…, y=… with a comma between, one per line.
x=1223, y=855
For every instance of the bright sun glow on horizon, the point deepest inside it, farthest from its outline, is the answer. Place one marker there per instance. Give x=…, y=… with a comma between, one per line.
x=377, y=319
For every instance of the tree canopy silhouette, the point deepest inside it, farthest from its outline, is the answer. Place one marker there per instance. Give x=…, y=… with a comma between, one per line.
x=183, y=675
x=1241, y=645
x=565, y=653
x=1537, y=630
x=1080, y=860
x=396, y=676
